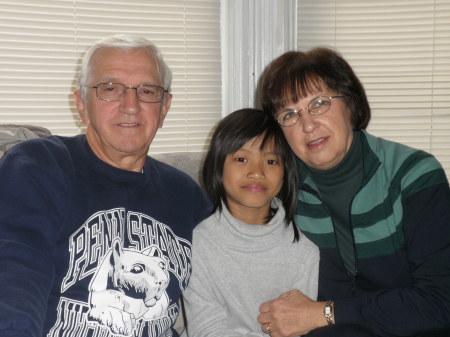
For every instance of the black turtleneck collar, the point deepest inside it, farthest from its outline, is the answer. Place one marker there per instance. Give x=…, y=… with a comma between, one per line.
x=346, y=171
x=337, y=187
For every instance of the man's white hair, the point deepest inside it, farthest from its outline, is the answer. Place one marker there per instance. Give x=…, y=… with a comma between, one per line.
x=123, y=42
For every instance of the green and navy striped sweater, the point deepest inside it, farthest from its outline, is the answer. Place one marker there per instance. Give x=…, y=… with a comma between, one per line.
x=400, y=221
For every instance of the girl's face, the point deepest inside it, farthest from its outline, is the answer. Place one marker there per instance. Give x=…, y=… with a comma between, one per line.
x=251, y=179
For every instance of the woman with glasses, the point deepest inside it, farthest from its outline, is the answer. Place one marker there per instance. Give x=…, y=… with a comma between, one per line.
x=378, y=210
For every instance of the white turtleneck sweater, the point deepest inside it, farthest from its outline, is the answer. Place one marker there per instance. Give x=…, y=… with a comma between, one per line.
x=237, y=266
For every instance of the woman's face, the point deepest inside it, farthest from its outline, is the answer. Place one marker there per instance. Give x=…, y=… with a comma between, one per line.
x=320, y=141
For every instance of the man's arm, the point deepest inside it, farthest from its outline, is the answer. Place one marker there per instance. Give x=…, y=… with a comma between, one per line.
x=28, y=226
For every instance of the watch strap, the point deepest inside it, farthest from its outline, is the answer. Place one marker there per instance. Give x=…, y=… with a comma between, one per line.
x=328, y=312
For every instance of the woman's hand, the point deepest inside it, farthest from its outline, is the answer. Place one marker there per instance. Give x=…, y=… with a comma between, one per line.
x=292, y=314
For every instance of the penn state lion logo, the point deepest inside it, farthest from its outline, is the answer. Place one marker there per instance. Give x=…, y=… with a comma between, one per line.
x=128, y=286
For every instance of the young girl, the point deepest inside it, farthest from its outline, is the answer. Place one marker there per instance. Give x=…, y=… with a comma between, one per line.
x=249, y=251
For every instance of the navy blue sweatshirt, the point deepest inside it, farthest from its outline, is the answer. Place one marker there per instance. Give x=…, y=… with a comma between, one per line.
x=87, y=249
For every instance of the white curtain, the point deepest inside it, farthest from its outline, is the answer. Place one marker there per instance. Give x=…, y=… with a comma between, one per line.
x=400, y=49
x=41, y=41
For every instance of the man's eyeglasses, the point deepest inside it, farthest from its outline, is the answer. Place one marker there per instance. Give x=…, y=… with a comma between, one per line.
x=112, y=92
x=316, y=106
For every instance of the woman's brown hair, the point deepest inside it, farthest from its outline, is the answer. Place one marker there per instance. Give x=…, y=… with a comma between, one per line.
x=296, y=74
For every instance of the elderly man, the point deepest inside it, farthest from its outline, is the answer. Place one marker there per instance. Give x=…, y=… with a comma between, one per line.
x=95, y=235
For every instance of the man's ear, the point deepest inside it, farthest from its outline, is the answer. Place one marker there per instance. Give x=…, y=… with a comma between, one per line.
x=165, y=106
x=81, y=107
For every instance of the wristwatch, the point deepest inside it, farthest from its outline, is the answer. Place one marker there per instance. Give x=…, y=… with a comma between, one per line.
x=328, y=312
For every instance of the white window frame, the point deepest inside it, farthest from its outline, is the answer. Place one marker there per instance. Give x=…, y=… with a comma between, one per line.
x=254, y=32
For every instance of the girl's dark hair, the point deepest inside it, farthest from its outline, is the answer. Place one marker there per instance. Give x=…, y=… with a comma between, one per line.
x=296, y=74
x=231, y=134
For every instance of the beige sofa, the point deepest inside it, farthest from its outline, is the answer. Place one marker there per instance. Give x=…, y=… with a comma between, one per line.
x=189, y=162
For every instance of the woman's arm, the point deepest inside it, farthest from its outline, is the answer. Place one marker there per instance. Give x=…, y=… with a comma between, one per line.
x=425, y=305
x=292, y=314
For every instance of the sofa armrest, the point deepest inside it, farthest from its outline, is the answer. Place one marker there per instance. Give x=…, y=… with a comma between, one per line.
x=12, y=134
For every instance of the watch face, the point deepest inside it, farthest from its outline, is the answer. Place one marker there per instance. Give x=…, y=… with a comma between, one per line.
x=328, y=312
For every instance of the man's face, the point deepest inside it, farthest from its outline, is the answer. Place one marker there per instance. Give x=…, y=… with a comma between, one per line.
x=121, y=132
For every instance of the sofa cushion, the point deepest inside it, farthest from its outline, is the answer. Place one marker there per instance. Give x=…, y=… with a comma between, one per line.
x=189, y=162
x=12, y=134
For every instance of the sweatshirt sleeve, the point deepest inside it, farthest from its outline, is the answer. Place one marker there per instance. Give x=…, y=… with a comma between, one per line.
x=425, y=304
x=30, y=214
x=206, y=312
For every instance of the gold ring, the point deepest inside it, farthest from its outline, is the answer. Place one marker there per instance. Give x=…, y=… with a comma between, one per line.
x=268, y=328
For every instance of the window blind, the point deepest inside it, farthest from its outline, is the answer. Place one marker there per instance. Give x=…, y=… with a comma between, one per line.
x=41, y=42
x=400, y=49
